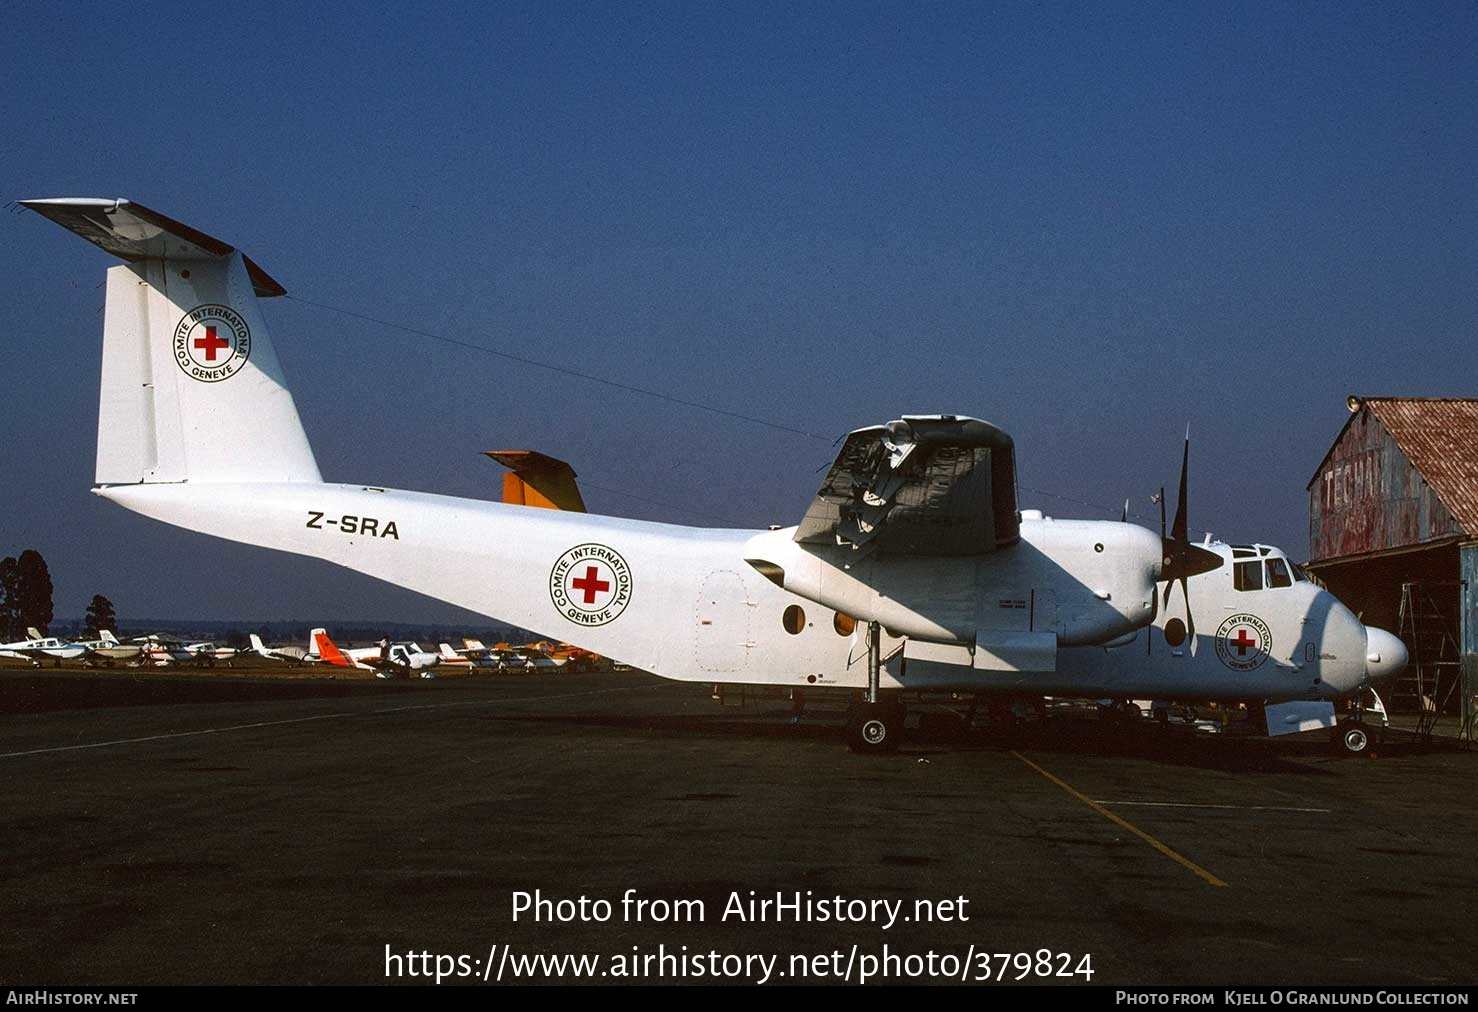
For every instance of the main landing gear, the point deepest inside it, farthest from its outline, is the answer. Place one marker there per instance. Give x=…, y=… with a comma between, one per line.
x=1352, y=738
x=874, y=726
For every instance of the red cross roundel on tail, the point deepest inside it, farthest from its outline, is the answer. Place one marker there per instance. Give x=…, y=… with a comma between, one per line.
x=211, y=343
x=1243, y=642
x=590, y=584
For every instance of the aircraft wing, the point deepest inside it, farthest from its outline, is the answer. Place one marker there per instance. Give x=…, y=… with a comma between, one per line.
x=933, y=485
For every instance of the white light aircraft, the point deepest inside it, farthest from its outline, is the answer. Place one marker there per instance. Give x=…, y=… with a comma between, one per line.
x=107, y=651
x=38, y=648
x=911, y=570
x=386, y=660
x=209, y=653
x=459, y=660
x=288, y=654
x=162, y=652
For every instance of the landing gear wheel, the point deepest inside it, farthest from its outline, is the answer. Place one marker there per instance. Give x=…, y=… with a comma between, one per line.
x=875, y=727
x=1352, y=738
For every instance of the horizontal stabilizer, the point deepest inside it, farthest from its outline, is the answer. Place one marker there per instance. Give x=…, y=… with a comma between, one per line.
x=134, y=232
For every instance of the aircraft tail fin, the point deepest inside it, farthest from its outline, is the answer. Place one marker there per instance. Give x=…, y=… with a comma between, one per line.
x=473, y=644
x=191, y=386
x=106, y=635
x=535, y=479
x=33, y=633
x=327, y=652
x=448, y=653
x=258, y=646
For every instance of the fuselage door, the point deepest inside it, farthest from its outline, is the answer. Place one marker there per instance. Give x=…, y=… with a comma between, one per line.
x=722, y=635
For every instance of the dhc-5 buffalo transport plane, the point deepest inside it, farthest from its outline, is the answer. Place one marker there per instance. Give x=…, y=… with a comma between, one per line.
x=912, y=570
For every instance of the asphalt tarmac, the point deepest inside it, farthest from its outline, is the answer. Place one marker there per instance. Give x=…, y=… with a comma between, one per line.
x=210, y=828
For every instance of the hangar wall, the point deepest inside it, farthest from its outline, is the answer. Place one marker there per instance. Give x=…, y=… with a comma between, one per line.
x=1393, y=519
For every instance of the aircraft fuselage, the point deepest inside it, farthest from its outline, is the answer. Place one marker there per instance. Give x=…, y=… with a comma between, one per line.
x=689, y=604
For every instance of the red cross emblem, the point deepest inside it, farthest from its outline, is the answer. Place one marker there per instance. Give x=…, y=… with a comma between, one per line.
x=591, y=584
x=210, y=343
x=1243, y=642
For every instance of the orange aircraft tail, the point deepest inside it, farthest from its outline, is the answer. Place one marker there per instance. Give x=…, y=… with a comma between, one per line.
x=536, y=479
x=327, y=652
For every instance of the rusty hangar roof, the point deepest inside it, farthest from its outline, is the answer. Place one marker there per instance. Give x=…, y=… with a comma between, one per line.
x=1439, y=435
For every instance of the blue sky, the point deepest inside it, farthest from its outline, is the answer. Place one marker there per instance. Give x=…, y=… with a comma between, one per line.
x=1089, y=224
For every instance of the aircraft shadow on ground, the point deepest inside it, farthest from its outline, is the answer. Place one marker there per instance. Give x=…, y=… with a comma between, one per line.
x=1235, y=753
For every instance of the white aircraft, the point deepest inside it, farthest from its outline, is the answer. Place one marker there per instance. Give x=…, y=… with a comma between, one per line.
x=386, y=660
x=478, y=655
x=210, y=652
x=912, y=569
x=162, y=652
x=1276, y=632
x=456, y=659
x=38, y=648
x=289, y=654
x=107, y=651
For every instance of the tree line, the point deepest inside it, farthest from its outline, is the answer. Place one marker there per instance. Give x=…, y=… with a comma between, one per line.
x=25, y=599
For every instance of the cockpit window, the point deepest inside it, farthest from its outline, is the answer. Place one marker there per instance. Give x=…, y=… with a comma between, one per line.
x=1299, y=576
x=1247, y=575
x=1243, y=552
x=1278, y=574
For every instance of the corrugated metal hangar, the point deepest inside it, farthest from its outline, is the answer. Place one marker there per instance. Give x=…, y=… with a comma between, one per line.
x=1393, y=532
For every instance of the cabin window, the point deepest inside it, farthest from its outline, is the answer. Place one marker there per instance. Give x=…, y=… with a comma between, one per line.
x=1278, y=574
x=844, y=624
x=1247, y=575
x=794, y=619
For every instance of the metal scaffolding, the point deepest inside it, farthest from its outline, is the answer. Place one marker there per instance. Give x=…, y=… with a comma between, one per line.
x=1429, y=685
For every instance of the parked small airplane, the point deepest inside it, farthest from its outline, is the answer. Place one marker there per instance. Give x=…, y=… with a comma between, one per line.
x=162, y=652
x=912, y=568
x=106, y=651
x=287, y=654
x=386, y=660
x=39, y=648
x=457, y=659
x=209, y=653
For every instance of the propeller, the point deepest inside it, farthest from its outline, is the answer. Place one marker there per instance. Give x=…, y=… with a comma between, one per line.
x=1181, y=560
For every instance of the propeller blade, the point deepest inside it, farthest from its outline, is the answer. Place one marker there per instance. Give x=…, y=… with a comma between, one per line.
x=1179, y=531
x=1190, y=621
x=1181, y=558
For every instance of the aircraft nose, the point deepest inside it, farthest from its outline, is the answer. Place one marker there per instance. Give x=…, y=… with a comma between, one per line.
x=1384, y=654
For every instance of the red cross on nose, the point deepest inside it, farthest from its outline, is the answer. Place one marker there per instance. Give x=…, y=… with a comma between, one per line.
x=1243, y=642
x=590, y=584
x=211, y=344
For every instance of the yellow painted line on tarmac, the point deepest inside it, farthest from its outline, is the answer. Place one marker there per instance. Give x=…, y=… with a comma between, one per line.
x=1175, y=856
